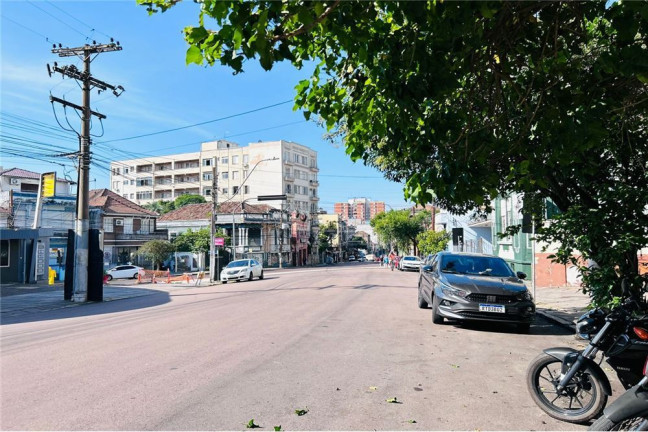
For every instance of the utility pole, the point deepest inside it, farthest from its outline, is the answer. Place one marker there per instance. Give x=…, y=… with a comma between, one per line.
x=82, y=222
x=212, y=247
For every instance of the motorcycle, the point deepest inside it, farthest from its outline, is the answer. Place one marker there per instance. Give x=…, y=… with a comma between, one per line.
x=629, y=411
x=569, y=385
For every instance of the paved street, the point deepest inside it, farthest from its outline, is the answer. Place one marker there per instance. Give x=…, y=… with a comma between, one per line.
x=336, y=341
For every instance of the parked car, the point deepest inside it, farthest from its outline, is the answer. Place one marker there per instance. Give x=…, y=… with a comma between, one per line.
x=409, y=262
x=242, y=269
x=361, y=258
x=370, y=257
x=351, y=258
x=465, y=286
x=123, y=272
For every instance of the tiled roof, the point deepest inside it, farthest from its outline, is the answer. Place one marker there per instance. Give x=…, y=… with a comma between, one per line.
x=21, y=173
x=203, y=211
x=113, y=203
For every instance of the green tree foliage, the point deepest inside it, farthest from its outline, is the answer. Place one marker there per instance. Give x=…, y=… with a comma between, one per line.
x=160, y=207
x=431, y=242
x=465, y=101
x=195, y=241
x=157, y=251
x=183, y=200
x=400, y=227
x=325, y=237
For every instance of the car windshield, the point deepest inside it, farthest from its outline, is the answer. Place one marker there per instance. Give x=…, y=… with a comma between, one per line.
x=241, y=263
x=476, y=265
x=410, y=259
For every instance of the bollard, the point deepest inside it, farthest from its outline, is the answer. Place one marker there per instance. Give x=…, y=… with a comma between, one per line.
x=168, y=276
x=139, y=278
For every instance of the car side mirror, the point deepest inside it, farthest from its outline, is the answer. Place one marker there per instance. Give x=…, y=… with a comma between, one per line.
x=521, y=275
x=427, y=268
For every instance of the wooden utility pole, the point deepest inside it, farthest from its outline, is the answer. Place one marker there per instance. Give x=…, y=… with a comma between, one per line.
x=82, y=223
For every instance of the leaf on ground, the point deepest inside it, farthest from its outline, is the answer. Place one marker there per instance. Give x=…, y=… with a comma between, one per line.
x=301, y=412
x=411, y=421
x=393, y=400
x=373, y=388
x=252, y=425
x=455, y=366
x=277, y=428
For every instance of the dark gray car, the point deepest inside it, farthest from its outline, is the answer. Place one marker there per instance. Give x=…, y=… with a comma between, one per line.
x=465, y=286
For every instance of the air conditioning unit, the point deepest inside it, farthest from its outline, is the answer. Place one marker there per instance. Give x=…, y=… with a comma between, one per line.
x=119, y=222
x=14, y=181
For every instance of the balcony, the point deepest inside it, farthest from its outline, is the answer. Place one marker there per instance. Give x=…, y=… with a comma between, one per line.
x=314, y=168
x=481, y=221
x=314, y=198
x=158, y=235
x=289, y=177
x=144, y=168
x=164, y=167
x=313, y=182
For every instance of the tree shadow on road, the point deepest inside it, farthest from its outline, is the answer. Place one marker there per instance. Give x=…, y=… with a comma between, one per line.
x=72, y=310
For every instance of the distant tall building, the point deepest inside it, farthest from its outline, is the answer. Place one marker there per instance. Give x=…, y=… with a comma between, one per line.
x=359, y=210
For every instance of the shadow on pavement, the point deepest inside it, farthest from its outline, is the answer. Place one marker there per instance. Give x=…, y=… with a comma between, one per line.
x=70, y=310
x=540, y=326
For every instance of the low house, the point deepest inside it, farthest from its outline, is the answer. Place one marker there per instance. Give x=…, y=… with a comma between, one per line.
x=253, y=228
x=126, y=226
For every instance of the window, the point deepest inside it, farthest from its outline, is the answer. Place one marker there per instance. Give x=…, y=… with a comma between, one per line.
x=132, y=182
x=225, y=191
x=235, y=175
x=4, y=253
x=304, y=160
x=108, y=224
x=287, y=156
x=235, y=190
x=116, y=171
x=115, y=185
x=126, y=170
x=224, y=160
x=145, y=181
x=235, y=160
x=225, y=175
x=126, y=196
x=245, y=174
x=207, y=176
x=206, y=162
x=296, y=158
x=246, y=189
x=206, y=191
x=246, y=159
x=288, y=189
x=125, y=182
x=144, y=195
x=132, y=196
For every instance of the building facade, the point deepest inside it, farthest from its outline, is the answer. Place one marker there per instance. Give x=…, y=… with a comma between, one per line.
x=358, y=210
x=243, y=173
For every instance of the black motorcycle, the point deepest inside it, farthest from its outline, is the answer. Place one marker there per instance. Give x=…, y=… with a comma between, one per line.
x=569, y=385
x=629, y=411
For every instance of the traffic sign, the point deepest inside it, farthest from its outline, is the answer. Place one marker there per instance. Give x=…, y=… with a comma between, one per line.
x=219, y=241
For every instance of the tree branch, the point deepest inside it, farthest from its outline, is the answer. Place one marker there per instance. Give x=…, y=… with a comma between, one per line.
x=306, y=28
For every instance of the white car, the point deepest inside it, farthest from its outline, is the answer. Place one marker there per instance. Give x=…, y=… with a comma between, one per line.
x=124, y=272
x=409, y=262
x=241, y=269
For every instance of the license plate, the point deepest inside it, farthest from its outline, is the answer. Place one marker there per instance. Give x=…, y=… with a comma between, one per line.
x=491, y=308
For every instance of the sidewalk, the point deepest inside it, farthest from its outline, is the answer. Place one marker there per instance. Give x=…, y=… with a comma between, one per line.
x=561, y=305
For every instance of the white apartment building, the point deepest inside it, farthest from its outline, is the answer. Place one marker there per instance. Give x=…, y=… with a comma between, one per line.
x=243, y=173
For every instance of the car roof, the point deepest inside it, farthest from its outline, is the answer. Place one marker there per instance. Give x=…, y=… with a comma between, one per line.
x=474, y=254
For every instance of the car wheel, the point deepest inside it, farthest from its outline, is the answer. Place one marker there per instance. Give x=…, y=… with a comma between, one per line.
x=251, y=276
x=422, y=304
x=261, y=275
x=135, y=275
x=109, y=277
x=223, y=282
x=436, y=318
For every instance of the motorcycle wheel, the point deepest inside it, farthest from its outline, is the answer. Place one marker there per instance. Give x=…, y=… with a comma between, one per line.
x=581, y=401
x=605, y=424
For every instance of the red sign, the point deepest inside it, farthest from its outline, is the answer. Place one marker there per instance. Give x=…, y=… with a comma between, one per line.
x=219, y=241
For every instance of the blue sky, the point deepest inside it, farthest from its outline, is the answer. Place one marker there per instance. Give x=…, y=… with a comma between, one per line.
x=161, y=93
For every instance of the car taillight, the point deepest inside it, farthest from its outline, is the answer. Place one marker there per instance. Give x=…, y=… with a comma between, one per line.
x=641, y=332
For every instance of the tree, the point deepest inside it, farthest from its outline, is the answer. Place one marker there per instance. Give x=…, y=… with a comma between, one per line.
x=325, y=237
x=183, y=200
x=160, y=207
x=400, y=227
x=467, y=101
x=157, y=251
x=431, y=242
x=195, y=241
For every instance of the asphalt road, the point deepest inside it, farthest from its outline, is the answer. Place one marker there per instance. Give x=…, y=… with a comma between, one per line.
x=336, y=341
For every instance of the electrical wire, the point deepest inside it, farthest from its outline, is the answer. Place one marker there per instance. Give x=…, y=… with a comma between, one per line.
x=59, y=20
x=199, y=124
x=92, y=29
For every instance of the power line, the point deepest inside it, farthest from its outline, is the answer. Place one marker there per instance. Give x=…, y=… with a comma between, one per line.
x=59, y=20
x=199, y=124
x=28, y=29
x=92, y=29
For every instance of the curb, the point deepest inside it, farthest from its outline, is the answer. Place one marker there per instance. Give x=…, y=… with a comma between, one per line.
x=570, y=325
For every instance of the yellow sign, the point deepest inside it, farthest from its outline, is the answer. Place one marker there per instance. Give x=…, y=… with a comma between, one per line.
x=48, y=185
